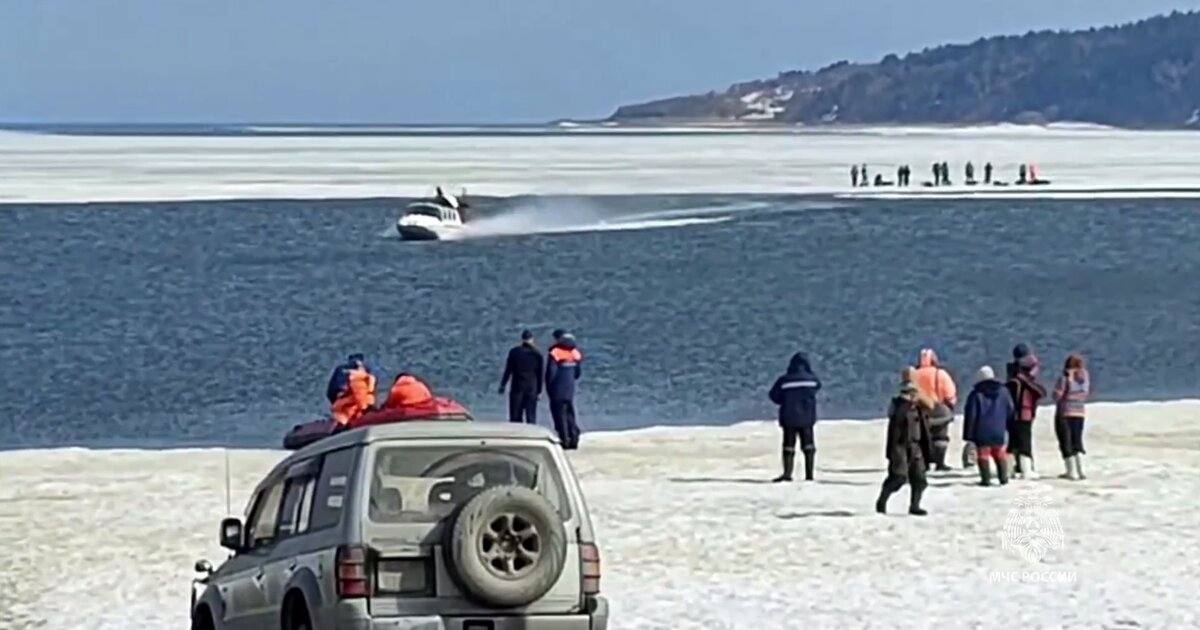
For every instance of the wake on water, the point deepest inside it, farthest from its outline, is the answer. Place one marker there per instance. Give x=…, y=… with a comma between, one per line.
x=561, y=215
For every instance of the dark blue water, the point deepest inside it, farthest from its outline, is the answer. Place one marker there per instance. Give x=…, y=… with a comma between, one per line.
x=218, y=322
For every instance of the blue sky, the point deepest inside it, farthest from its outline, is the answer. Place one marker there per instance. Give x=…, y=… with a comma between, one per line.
x=441, y=61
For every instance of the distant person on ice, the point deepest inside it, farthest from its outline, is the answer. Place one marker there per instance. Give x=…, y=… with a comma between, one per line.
x=524, y=367
x=988, y=412
x=854, y=176
x=937, y=385
x=796, y=394
x=1070, y=395
x=1026, y=393
x=908, y=445
x=562, y=370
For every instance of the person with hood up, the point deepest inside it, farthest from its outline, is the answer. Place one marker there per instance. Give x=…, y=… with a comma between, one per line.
x=908, y=445
x=1026, y=392
x=357, y=397
x=936, y=384
x=339, y=380
x=525, y=367
x=562, y=370
x=796, y=394
x=408, y=391
x=986, y=417
x=1071, y=393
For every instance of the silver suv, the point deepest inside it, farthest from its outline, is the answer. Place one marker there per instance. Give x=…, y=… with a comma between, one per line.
x=411, y=526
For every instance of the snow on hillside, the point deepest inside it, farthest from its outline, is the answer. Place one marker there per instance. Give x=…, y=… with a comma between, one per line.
x=691, y=536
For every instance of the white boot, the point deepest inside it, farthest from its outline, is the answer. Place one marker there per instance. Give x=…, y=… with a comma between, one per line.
x=1027, y=467
x=1079, y=467
x=1071, y=473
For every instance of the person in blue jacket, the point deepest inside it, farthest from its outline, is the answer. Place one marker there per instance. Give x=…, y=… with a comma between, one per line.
x=796, y=394
x=340, y=378
x=562, y=370
x=986, y=418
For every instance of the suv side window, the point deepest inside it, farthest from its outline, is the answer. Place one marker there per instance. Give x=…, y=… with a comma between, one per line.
x=293, y=518
x=332, y=485
x=260, y=530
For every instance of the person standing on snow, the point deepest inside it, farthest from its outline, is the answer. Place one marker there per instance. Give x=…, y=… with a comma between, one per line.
x=1026, y=393
x=525, y=367
x=562, y=370
x=936, y=384
x=988, y=412
x=1071, y=393
x=796, y=394
x=908, y=445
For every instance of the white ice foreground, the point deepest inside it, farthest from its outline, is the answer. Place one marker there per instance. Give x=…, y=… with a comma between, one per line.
x=691, y=536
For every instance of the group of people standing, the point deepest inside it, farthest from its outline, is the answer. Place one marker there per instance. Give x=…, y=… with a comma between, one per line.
x=860, y=176
x=526, y=375
x=997, y=421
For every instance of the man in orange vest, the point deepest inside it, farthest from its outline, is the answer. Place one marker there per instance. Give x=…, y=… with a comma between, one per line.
x=562, y=370
x=357, y=396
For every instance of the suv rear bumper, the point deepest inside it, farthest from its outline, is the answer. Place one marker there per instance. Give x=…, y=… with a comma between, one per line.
x=597, y=620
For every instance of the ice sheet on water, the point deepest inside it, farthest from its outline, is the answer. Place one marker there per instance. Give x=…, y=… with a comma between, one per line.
x=35, y=167
x=691, y=535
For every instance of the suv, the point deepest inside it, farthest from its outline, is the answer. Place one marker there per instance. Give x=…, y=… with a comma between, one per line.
x=411, y=526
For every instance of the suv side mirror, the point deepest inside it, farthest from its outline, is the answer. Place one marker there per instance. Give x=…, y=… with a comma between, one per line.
x=231, y=534
x=203, y=566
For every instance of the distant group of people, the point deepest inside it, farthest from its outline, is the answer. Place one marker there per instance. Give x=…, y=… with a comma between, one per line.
x=997, y=421
x=526, y=375
x=860, y=176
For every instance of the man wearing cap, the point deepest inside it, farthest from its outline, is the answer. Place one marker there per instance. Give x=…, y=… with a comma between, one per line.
x=562, y=370
x=524, y=368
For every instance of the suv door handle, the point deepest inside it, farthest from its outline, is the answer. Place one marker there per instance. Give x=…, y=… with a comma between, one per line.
x=291, y=566
x=258, y=576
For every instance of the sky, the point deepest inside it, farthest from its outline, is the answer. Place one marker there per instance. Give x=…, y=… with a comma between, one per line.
x=457, y=61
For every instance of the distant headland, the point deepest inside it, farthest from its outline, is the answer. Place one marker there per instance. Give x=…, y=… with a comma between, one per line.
x=1144, y=74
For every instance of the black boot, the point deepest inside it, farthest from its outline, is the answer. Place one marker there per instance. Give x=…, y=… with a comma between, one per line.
x=914, y=503
x=939, y=456
x=985, y=472
x=890, y=485
x=1001, y=470
x=789, y=464
x=810, y=462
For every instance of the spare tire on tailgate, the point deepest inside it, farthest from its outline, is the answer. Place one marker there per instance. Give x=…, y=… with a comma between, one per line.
x=507, y=547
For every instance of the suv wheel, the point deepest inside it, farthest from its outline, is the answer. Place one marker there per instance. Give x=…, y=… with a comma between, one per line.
x=507, y=547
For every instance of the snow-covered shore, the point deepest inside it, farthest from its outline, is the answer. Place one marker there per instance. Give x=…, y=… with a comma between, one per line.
x=691, y=535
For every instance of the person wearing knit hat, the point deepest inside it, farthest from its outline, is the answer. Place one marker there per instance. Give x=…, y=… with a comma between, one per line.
x=988, y=413
x=908, y=445
x=1026, y=392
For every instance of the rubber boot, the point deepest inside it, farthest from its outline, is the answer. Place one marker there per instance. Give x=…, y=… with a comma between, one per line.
x=881, y=502
x=1014, y=463
x=789, y=464
x=1069, y=464
x=1027, y=466
x=810, y=462
x=985, y=472
x=1079, y=468
x=914, y=502
x=1001, y=471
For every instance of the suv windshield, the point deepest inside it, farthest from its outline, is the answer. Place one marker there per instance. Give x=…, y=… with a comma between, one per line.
x=424, y=484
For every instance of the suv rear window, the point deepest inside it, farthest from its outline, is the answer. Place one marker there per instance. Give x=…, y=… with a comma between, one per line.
x=424, y=484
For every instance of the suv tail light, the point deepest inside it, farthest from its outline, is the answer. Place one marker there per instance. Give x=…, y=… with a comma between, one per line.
x=590, y=555
x=350, y=566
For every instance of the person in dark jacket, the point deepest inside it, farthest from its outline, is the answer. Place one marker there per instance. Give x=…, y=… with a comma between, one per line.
x=524, y=367
x=1026, y=393
x=562, y=370
x=339, y=380
x=796, y=394
x=908, y=444
x=986, y=418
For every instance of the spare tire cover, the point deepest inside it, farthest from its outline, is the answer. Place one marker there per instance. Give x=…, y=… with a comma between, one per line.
x=507, y=547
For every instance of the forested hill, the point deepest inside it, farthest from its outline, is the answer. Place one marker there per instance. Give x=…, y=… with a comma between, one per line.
x=1143, y=74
